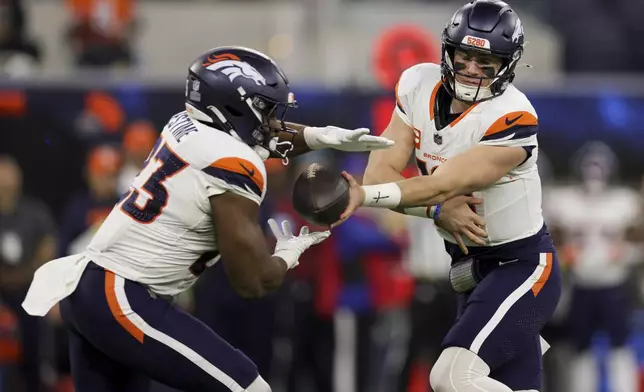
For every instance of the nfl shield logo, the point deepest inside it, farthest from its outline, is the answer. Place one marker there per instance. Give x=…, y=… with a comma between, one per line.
x=438, y=139
x=195, y=85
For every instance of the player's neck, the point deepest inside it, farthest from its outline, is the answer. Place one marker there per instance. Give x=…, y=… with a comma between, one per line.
x=459, y=106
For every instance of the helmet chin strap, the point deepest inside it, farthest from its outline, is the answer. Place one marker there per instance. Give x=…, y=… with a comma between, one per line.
x=469, y=93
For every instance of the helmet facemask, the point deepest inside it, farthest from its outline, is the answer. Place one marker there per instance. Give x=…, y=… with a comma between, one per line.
x=272, y=114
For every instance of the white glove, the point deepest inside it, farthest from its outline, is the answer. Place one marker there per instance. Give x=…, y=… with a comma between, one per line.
x=289, y=247
x=344, y=139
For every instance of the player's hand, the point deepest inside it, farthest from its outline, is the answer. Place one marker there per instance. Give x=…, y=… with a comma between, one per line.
x=290, y=247
x=344, y=139
x=356, y=198
x=456, y=216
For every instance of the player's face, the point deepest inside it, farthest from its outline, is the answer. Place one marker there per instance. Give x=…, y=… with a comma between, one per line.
x=475, y=65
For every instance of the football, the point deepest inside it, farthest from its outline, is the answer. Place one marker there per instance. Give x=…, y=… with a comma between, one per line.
x=320, y=195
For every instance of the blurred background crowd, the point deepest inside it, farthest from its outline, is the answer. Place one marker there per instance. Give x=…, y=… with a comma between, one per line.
x=86, y=86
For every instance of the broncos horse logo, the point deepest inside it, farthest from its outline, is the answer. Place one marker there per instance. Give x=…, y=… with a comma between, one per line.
x=232, y=66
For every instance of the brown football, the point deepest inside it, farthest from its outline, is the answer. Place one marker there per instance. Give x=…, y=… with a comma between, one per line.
x=320, y=195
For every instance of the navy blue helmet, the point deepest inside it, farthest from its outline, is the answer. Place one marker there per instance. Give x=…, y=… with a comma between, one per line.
x=490, y=27
x=239, y=91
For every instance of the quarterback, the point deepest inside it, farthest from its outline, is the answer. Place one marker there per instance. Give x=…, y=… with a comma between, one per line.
x=474, y=136
x=195, y=201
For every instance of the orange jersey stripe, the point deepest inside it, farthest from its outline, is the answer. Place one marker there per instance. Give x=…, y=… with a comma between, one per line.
x=116, y=310
x=432, y=104
x=462, y=116
x=538, y=285
x=510, y=120
x=241, y=166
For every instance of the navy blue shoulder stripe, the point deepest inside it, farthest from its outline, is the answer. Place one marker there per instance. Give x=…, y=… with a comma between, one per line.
x=517, y=132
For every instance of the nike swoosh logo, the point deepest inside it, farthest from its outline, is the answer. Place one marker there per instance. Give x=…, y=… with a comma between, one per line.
x=510, y=122
x=501, y=263
x=251, y=173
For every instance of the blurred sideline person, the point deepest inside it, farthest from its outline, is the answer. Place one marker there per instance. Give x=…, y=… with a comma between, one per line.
x=594, y=216
x=369, y=293
x=138, y=139
x=433, y=307
x=555, y=364
x=27, y=240
x=86, y=210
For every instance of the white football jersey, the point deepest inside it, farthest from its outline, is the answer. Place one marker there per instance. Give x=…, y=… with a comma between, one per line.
x=595, y=226
x=511, y=206
x=161, y=233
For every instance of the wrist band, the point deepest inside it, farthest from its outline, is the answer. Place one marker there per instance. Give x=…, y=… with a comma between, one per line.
x=382, y=196
x=437, y=211
x=430, y=212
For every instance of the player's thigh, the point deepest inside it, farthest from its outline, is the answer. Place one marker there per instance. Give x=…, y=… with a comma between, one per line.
x=155, y=338
x=93, y=371
x=505, y=313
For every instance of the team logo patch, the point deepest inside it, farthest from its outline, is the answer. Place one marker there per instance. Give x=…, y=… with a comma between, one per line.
x=509, y=121
x=232, y=66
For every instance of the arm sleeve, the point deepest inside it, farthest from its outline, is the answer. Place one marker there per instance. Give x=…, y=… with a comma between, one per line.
x=514, y=129
x=237, y=175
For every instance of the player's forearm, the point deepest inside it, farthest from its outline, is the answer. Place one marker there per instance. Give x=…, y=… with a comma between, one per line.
x=267, y=275
x=432, y=190
x=422, y=191
x=476, y=169
x=272, y=275
x=299, y=143
x=384, y=173
x=252, y=271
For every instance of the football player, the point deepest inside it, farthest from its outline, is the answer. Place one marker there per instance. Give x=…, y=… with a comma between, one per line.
x=478, y=137
x=196, y=200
